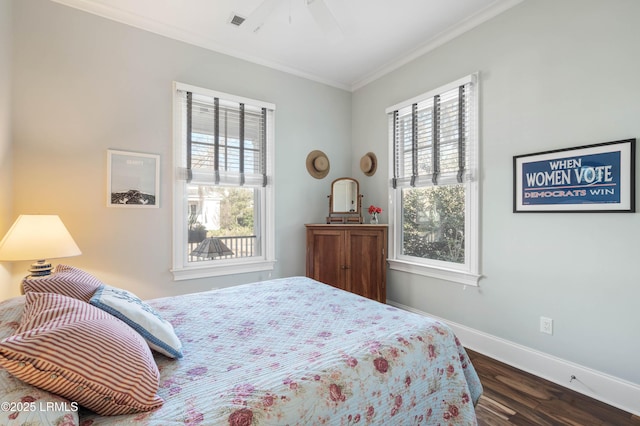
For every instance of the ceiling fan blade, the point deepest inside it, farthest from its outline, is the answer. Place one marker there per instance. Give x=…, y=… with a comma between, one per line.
x=325, y=19
x=257, y=18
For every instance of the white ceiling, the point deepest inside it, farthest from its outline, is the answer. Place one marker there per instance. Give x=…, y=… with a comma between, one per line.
x=375, y=36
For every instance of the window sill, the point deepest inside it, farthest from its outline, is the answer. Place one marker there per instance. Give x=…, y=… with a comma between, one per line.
x=456, y=276
x=193, y=272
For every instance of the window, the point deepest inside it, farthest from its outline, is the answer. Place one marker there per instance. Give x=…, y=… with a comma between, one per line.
x=223, y=188
x=434, y=202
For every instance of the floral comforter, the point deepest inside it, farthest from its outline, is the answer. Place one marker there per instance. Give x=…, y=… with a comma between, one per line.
x=294, y=351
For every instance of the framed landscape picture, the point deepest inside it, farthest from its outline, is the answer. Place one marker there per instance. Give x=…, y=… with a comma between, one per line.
x=133, y=179
x=591, y=178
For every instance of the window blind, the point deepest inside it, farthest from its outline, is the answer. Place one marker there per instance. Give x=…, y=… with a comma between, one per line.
x=225, y=140
x=430, y=135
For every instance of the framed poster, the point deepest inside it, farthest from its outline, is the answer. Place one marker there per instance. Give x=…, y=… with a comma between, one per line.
x=591, y=178
x=133, y=179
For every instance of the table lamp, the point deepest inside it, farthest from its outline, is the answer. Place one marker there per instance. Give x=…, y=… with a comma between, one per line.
x=37, y=237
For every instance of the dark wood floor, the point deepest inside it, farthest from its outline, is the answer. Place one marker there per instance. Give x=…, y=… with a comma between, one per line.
x=513, y=397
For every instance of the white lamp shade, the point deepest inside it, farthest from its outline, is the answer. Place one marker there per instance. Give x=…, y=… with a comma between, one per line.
x=34, y=237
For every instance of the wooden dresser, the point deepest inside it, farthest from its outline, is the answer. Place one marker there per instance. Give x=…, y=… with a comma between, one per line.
x=351, y=257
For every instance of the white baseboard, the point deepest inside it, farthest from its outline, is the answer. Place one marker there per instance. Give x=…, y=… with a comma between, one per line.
x=594, y=384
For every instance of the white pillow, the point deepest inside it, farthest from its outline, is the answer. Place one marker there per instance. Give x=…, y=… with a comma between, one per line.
x=127, y=307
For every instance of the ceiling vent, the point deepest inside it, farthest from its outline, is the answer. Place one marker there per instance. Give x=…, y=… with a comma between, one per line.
x=236, y=20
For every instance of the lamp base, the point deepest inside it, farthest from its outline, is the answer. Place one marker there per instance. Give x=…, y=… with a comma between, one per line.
x=40, y=268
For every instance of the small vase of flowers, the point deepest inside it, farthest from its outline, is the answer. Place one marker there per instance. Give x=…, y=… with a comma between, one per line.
x=374, y=212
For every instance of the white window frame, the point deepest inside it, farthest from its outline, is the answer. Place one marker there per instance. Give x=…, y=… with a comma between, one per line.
x=184, y=270
x=469, y=272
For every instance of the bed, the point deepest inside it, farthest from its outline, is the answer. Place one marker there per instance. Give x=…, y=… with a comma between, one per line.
x=288, y=351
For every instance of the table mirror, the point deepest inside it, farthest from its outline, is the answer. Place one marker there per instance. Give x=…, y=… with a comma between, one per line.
x=345, y=201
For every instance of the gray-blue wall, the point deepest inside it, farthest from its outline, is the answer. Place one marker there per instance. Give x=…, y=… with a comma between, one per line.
x=554, y=74
x=83, y=84
x=6, y=190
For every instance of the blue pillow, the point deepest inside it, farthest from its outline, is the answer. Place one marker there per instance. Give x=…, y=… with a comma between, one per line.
x=127, y=307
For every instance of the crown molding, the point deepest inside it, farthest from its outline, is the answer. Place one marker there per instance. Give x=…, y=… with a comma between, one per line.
x=172, y=32
x=491, y=11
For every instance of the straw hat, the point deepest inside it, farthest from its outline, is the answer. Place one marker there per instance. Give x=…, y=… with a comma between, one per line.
x=317, y=164
x=369, y=164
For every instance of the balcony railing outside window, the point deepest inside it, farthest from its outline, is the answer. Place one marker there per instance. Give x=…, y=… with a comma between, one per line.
x=241, y=246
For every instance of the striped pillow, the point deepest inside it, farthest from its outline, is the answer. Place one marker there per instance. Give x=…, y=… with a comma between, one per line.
x=82, y=353
x=59, y=411
x=65, y=280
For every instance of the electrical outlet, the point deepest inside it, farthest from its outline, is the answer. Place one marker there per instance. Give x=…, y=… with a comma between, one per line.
x=546, y=325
